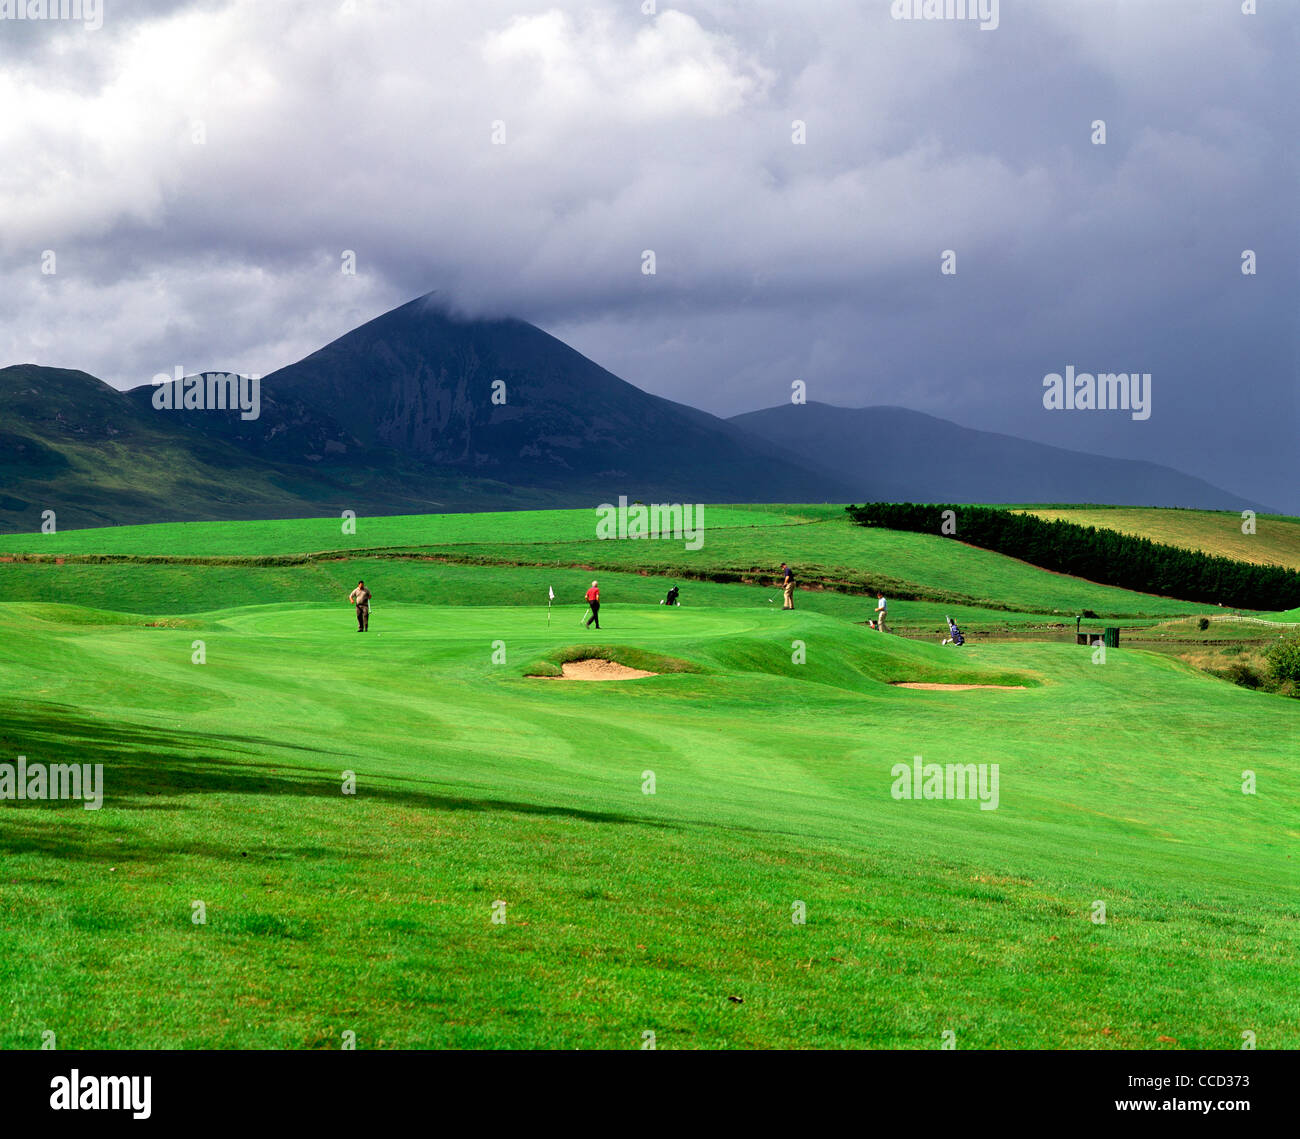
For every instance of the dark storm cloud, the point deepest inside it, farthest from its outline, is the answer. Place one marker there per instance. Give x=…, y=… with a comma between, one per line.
x=200, y=191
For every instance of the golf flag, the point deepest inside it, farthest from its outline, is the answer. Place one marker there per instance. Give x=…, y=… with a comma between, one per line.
x=551, y=592
x=549, y=599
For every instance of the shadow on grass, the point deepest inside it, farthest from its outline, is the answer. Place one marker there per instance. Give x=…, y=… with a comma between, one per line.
x=33, y=831
x=148, y=768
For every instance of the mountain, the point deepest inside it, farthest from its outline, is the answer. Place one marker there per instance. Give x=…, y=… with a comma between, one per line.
x=893, y=454
x=419, y=410
x=75, y=445
x=397, y=416
x=501, y=400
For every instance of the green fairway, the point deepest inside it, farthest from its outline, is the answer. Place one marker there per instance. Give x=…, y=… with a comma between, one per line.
x=295, y=558
x=770, y=738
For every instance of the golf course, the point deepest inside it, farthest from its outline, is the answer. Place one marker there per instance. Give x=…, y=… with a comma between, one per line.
x=425, y=836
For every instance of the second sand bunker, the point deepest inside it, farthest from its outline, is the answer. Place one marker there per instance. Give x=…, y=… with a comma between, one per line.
x=957, y=687
x=597, y=668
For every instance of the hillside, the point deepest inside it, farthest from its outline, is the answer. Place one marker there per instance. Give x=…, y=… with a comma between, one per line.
x=892, y=454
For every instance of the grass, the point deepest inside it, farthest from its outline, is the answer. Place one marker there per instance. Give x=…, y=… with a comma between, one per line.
x=771, y=740
x=740, y=544
x=305, y=535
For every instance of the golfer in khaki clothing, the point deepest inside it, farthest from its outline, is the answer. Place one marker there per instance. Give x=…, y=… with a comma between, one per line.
x=787, y=584
x=360, y=597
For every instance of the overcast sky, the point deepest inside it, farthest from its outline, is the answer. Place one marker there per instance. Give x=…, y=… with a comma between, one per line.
x=199, y=168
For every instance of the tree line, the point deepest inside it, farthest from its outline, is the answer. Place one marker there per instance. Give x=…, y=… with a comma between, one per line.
x=1100, y=555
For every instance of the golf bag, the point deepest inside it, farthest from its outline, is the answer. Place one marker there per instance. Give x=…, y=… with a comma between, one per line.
x=671, y=599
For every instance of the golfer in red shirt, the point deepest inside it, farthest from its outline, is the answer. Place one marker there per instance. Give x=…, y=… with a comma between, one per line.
x=593, y=599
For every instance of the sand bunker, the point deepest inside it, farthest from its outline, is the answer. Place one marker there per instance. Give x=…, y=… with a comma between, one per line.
x=956, y=687
x=597, y=668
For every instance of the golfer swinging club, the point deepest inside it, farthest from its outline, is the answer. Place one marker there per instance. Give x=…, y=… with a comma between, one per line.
x=360, y=597
x=593, y=599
